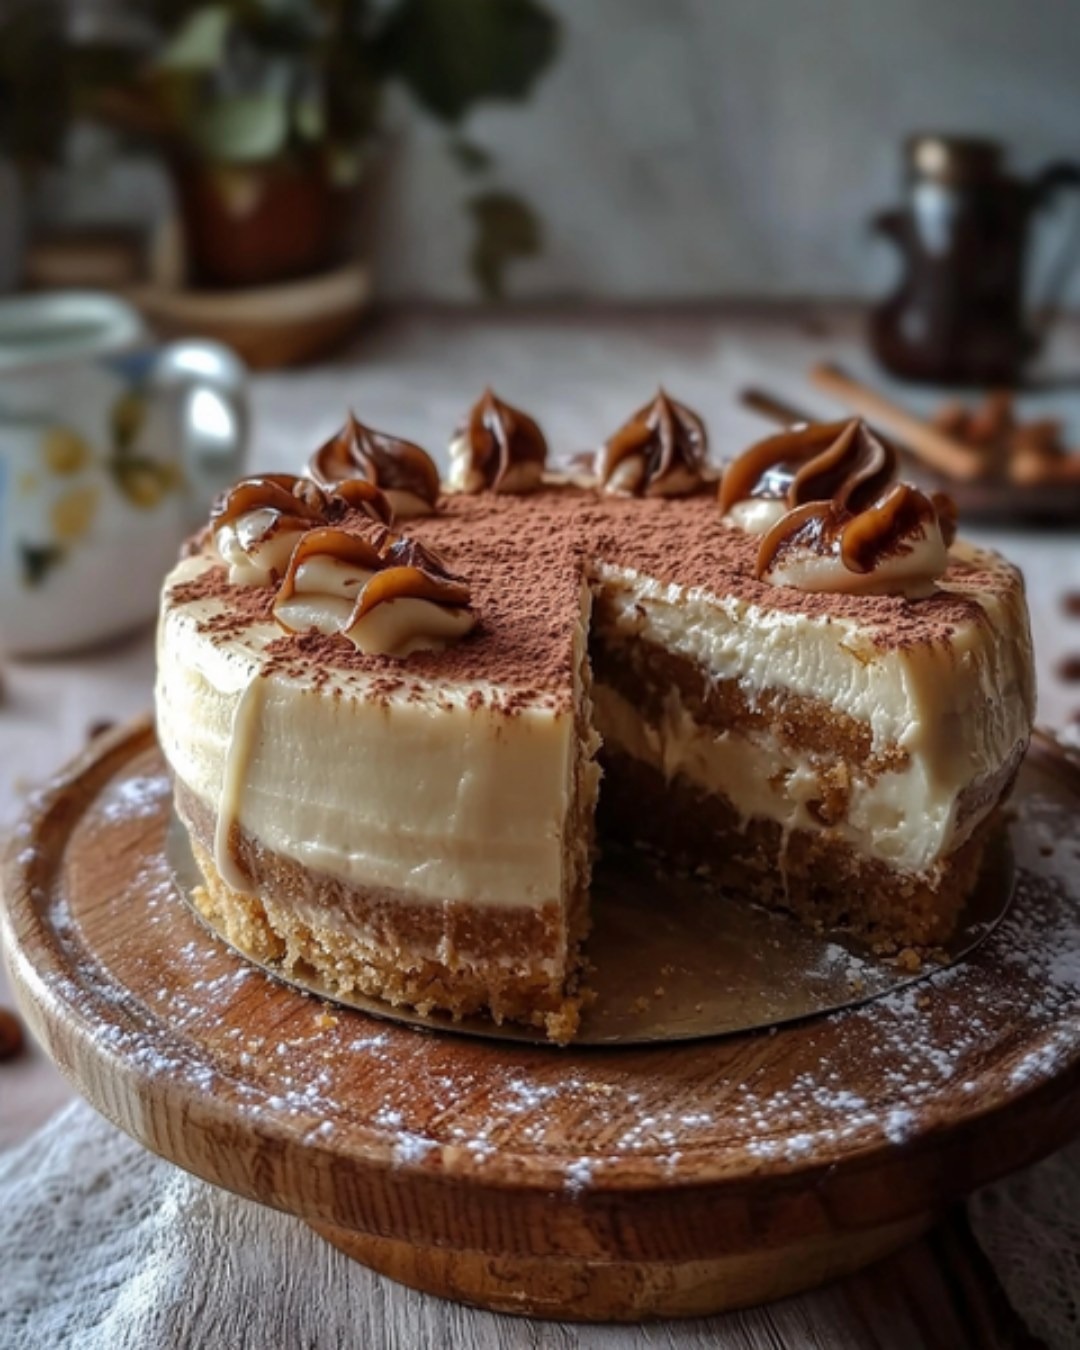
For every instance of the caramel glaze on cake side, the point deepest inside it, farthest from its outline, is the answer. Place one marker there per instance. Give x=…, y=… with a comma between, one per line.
x=419, y=826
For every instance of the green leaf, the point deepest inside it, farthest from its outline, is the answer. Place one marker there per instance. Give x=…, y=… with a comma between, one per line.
x=454, y=53
x=200, y=41
x=243, y=130
x=473, y=158
x=506, y=227
x=38, y=560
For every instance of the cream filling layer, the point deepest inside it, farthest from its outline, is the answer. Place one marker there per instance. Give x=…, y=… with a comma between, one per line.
x=443, y=802
x=897, y=818
x=959, y=707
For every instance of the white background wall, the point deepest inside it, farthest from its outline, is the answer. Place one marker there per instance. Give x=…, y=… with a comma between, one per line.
x=688, y=148
x=700, y=148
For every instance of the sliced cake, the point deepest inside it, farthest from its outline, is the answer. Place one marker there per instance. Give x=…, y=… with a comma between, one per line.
x=387, y=739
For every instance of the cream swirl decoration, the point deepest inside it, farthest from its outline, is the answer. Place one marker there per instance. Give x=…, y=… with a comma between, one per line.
x=659, y=452
x=405, y=473
x=497, y=449
x=259, y=522
x=821, y=496
x=389, y=598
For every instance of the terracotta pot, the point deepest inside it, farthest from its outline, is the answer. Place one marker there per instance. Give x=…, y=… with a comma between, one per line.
x=246, y=225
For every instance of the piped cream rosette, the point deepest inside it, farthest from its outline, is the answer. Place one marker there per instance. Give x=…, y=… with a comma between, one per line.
x=258, y=524
x=391, y=601
x=497, y=449
x=403, y=471
x=659, y=452
x=830, y=518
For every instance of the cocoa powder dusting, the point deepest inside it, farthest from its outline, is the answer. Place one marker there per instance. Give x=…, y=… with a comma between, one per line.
x=525, y=558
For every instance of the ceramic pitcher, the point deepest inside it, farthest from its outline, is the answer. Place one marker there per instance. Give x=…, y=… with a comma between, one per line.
x=112, y=447
x=961, y=312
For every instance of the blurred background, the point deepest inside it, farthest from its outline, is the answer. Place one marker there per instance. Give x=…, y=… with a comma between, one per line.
x=224, y=225
x=613, y=150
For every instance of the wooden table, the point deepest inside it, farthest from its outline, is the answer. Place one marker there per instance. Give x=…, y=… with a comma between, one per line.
x=413, y=373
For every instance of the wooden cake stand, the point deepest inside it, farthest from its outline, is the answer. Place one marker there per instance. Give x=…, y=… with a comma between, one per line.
x=576, y=1183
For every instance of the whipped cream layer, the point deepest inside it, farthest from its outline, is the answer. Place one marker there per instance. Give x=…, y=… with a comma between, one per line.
x=765, y=780
x=960, y=708
x=433, y=797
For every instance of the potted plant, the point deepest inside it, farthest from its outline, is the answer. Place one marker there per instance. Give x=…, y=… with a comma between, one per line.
x=267, y=112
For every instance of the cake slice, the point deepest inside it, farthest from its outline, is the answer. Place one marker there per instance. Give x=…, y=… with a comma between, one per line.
x=845, y=769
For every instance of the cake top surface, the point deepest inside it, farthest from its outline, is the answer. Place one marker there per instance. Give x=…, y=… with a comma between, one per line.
x=526, y=558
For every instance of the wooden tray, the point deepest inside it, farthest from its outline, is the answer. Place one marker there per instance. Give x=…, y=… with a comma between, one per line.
x=584, y=1183
x=284, y=324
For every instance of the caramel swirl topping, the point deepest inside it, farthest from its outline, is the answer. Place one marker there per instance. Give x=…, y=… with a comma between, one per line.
x=257, y=523
x=659, y=452
x=405, y=472
x=898, y=545
x=341, y=546
x=497, y=449
x=361, y=495
x=411, y=571
x=812, y=462
x=289, y=497
x=340, y=582
x=835, y=521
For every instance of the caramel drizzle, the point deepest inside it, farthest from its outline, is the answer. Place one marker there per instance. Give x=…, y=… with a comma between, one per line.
x=393, y=464
x=500, y=437
x=403, y=570
x=298, y=502
x=667, y=435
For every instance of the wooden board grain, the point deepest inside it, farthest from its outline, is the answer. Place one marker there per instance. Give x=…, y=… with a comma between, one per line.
x=569, y=1183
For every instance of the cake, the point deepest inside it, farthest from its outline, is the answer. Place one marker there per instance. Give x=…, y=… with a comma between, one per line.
x=387, y=732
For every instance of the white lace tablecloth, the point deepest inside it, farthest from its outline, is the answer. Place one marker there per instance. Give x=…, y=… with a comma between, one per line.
x=102, y=1245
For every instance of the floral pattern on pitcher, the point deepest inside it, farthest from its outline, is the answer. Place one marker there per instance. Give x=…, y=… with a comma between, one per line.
x=112, y=446
x=76, y=480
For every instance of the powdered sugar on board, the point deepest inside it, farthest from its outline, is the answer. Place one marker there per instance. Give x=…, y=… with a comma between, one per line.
x=164, y=998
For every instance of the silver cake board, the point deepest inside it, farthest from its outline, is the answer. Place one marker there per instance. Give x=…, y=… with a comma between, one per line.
x=672, y=958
